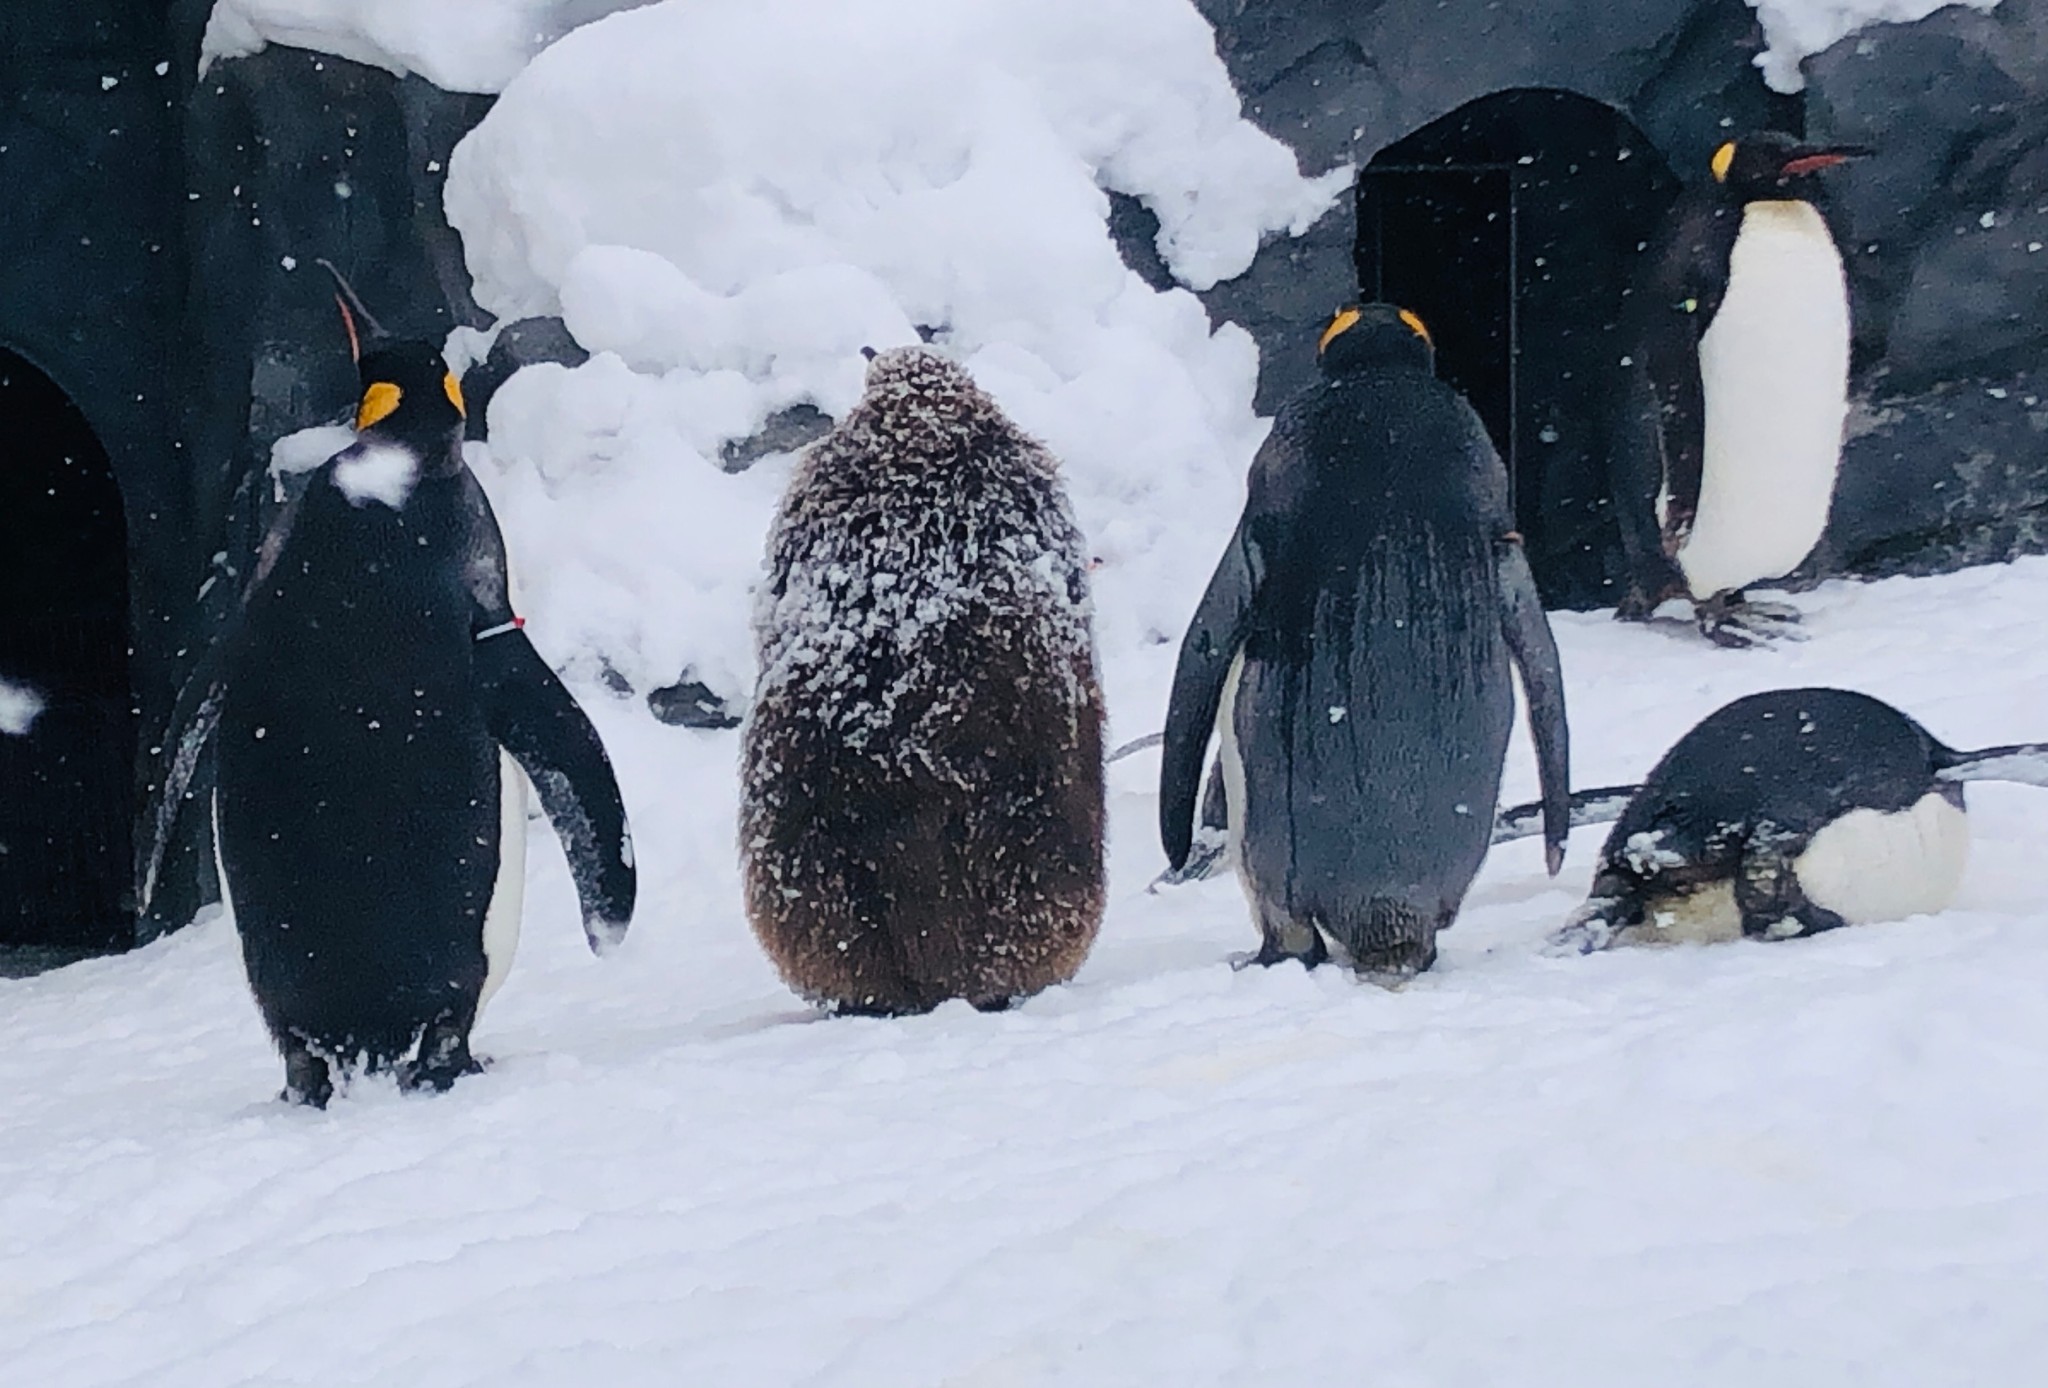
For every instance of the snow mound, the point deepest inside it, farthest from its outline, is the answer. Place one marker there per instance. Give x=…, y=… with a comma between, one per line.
x=1794, y=30
x=20, y=706
x=458, y=45
x=726, y=199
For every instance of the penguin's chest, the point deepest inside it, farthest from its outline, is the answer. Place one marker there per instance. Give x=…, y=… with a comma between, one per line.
x=1875, y=866
x=1774, y=370
x=1865, y=866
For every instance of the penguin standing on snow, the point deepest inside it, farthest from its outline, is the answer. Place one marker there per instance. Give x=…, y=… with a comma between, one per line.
x=367, y=700
x=922, y=778
x=1354, y=649
x=1726, y=469
x=1787, y=813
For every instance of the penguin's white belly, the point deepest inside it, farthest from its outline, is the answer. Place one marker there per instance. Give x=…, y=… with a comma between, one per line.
x=1774, y=371
x=1232, y=758
x=508, y=892
x=1871, y=866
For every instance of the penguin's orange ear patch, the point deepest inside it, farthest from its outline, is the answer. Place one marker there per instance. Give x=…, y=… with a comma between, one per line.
x=1416, y=326
x=454, y=389
x=1344, y=322
x=378, y=403
x=1723, y=160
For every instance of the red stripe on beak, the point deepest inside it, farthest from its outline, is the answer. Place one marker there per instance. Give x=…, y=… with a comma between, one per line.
x=1813, y=163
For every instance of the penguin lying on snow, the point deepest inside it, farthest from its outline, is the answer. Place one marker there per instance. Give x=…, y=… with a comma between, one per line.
x=368, y=699
x=1353, y=650
x=922, y=784
x=1784, y=814
x=1725, y=471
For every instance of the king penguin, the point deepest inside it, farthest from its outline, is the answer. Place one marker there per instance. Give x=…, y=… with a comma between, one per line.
x=1784, y=814
x=1354, y=650
x=367, y=700
x=1724, y=471
x=921, y=810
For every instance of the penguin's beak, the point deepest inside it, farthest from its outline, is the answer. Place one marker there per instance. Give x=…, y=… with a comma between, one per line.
x=1813, y=160
x=354, y=317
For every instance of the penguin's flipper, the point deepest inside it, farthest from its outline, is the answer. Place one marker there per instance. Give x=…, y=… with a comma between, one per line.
x=194, y=719
x=1206, y=653
x=1635, y=479
x=1535, y=654
x=1774, y=905
x=1681, y=443
x=1614, y=904
x=1602, y=806
x=2025, y=763
x=535, y=718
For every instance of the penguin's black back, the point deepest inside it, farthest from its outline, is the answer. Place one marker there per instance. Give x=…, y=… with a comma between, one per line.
x=358, y=783
x=1798, y=758
x=1376, y=696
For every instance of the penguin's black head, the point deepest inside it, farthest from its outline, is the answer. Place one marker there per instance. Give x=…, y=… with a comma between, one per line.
x=409, y=395
x=1770, y=165
x=1375, y=335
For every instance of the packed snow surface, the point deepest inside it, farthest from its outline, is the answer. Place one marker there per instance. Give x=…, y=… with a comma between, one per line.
x=1805, y=1164
x=1794, y=30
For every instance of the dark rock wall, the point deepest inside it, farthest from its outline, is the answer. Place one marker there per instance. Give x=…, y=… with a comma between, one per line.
x=292, y=157
x=1340, y=82
x=1945, y=231
x=89, y=256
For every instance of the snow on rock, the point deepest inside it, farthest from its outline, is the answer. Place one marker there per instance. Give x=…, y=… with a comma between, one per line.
x=458, y=45
x=1794, y=30
x=20, y=706
x=726, y=199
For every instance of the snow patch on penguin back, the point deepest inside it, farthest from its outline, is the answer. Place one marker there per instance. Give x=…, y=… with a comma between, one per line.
x=924, y=532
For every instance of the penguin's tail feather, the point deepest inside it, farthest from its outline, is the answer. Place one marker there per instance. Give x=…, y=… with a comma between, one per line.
x=1602, y=806
x=2025, y=763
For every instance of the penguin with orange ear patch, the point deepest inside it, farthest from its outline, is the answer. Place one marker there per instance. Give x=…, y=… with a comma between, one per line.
x=1724, y=468
x=1354, y=653
x=373, y=703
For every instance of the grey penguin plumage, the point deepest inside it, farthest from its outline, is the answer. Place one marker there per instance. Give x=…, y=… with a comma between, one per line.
x=1353, y=651
x=1724, y=467
x=1787, y=813
x=922, y=772
x=366, y=704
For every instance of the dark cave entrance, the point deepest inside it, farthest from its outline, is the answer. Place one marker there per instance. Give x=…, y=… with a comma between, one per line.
x=1511, y=226
x=67, y=733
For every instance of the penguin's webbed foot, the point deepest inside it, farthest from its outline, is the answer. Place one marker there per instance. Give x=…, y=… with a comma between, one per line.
x=1273, y=951
x=306, y=1077
x=1737, y=623
x=444, y=1056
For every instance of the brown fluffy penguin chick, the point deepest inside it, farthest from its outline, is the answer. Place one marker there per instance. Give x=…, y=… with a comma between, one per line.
x=922, y=802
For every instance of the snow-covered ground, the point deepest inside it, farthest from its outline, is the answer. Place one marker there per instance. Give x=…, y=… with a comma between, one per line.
x=1806, y=1164
x=1811, y=1163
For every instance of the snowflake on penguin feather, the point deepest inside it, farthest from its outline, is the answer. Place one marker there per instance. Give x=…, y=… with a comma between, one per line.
x=923, y=532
